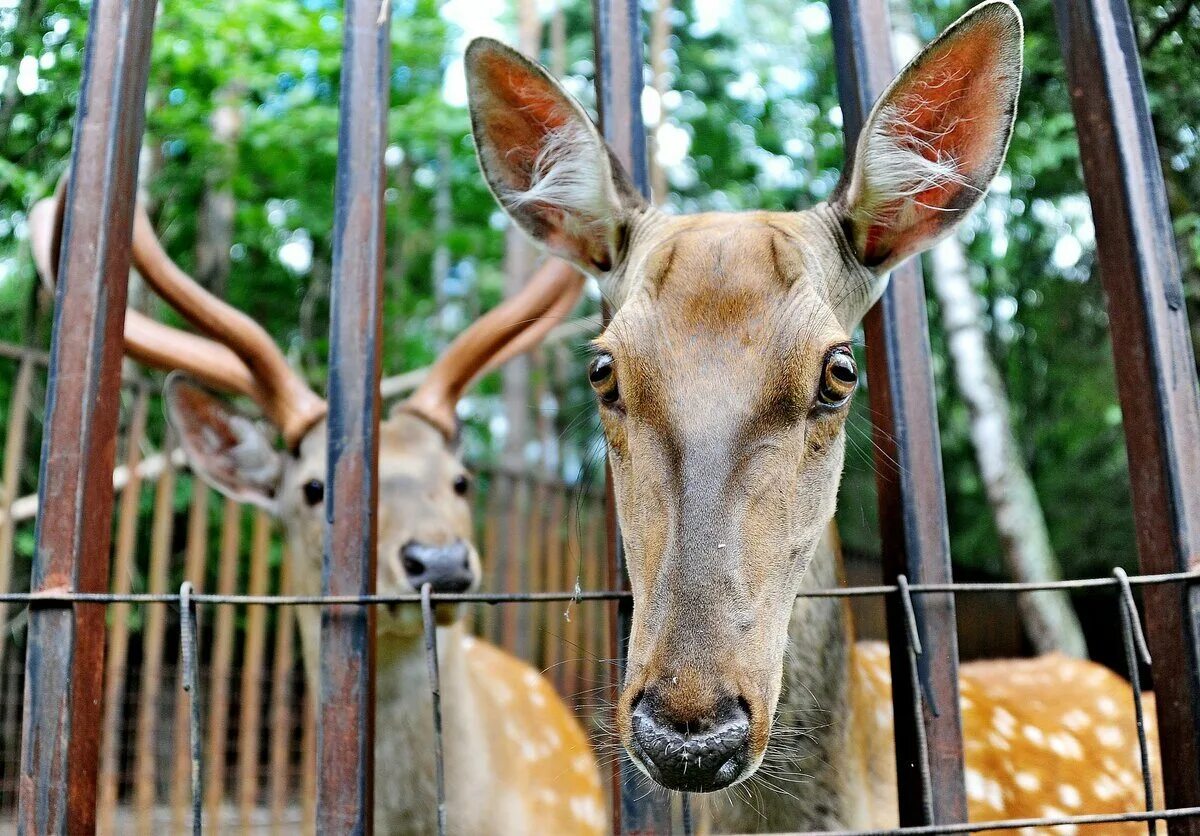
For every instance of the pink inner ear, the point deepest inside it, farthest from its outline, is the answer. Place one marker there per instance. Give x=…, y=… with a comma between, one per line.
x=523, y=109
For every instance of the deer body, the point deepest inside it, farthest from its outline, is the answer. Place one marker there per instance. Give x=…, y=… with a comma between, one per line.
x=723, y=382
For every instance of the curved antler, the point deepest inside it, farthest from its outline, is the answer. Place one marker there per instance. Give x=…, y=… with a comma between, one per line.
x=514, y=326
x=241, y=356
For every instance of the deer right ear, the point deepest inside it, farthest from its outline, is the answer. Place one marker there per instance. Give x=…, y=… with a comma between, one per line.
x=544, y=160
x=226, y=449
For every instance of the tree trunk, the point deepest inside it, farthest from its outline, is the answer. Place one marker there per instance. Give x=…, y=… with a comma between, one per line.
x=660, y=34
x=1048, y=617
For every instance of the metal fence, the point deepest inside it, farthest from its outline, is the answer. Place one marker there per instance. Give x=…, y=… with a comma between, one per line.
x=61, y=738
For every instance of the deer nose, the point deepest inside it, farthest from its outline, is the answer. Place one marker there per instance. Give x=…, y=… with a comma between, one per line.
x=444, y=568
x=701, y=754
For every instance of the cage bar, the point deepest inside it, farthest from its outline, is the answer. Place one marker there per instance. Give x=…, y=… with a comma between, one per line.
x=1155, y=366
x=346, y=717
x=908, y=466
x=65, y=660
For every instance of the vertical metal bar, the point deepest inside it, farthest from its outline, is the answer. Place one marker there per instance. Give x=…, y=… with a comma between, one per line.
x=215, y=737
x=1131, y=625
x=193, y=571
x=1155, y=365
x=14, y=462
x=65, y=661
x=281, y=698
x=146, y=745
x=435, y=693
x=345, y=730
x=912, y=504
x=250, y=701
x=188, y=681
x=117, y=660
x=619, y=84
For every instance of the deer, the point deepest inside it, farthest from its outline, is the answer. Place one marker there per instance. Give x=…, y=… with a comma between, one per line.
x=516, y=758
x=723, y=381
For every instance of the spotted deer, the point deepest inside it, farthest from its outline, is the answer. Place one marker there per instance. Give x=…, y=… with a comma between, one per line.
x=516, y=759
x=723, y=383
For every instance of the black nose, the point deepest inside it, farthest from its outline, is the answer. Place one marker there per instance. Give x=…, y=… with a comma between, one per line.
x=444, y=568
x=700, y=755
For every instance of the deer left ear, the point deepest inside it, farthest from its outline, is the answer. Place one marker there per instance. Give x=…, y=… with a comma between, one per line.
x=935, y=139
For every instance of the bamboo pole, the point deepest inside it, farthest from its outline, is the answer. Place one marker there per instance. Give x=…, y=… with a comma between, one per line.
x=194, y=565
x=14, y=461
x=281, y=696
x=512, y=565
x=553, y=625
x=574, y=648
x=116, y=660
x=146, y=765
x=533, y=572
x=492, y=531
x=222, y=659
x=250, y=702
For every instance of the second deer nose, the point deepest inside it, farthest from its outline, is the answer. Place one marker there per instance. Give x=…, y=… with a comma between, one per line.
x=444, y=568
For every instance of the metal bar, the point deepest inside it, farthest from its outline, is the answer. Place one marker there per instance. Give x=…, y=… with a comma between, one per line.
x=912, y=504
x=435, y=693
x=65, y=661
x=346, y=719
x=193, y=571
x=619, y=84
x=254, y=644
x=1155, y=366
x=189, y=683
x=146, y=743
x=117, y=659
x=281, y=696
x=14, y=463
x=1129, y=618
x=221, y=661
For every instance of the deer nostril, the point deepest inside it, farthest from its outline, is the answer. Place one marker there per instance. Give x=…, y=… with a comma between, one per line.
x=412, y=566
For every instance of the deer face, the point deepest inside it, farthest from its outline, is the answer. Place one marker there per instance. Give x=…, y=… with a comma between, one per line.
x=724, y=376
x=424, y=510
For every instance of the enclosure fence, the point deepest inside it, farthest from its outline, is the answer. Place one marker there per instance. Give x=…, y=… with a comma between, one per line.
x=61, y=740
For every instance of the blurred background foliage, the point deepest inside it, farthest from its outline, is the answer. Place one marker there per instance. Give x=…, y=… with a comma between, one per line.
x=243, y=102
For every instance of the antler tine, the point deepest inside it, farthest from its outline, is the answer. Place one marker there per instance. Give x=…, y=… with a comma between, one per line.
x=149, y=342
x=281, y=393
x=512, y=327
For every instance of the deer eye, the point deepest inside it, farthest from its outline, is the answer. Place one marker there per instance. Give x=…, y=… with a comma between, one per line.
x=314, y=491
x=461, y=484
x=839, y=378
x=603, y=377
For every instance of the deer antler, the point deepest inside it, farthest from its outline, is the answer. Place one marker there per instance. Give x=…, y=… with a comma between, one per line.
x=513, y=327
x=241, y=356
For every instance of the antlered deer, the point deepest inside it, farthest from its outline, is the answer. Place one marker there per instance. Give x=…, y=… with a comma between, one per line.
x=723, y=384
x=517, y=761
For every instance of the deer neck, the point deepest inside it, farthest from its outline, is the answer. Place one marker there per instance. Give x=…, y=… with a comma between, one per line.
x=812, y=776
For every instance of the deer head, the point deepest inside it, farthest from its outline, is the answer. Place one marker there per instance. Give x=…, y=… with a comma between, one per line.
x=425, y=533
x=724, y=377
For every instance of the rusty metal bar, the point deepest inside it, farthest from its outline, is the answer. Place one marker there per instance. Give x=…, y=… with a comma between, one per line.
x=193, y=572
x=912, y=504
x=117, y=659
x=281, y=694
x=146, y=744
x=65, y=661
x=345, y=731
x=215, y=739
x=250, y=700
x=620, y=80
x=1155, y=366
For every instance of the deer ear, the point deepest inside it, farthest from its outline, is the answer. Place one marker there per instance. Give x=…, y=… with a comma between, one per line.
x=544, y=160
x=227, y=450
x=935, y=139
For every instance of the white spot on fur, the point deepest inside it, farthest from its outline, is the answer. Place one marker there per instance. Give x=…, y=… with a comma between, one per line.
x=1027, y=781
x=468, y=642
x=1034, y=735
x=502, y=693
x=1105, y=788
x=532, y=679
x=1069, y=795
x=974, y=782
x=582, y=764
x=1107, y=706
x=1075, y=719
x=586, y=809
x=1066, y=745
x=536, y=698
x=1110, y=736
x=1004, y=721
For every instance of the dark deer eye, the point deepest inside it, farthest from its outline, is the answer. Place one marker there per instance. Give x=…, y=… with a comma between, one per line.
x=461, y=484
x=602, y=375
x=314, y=491
x=839, y=378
